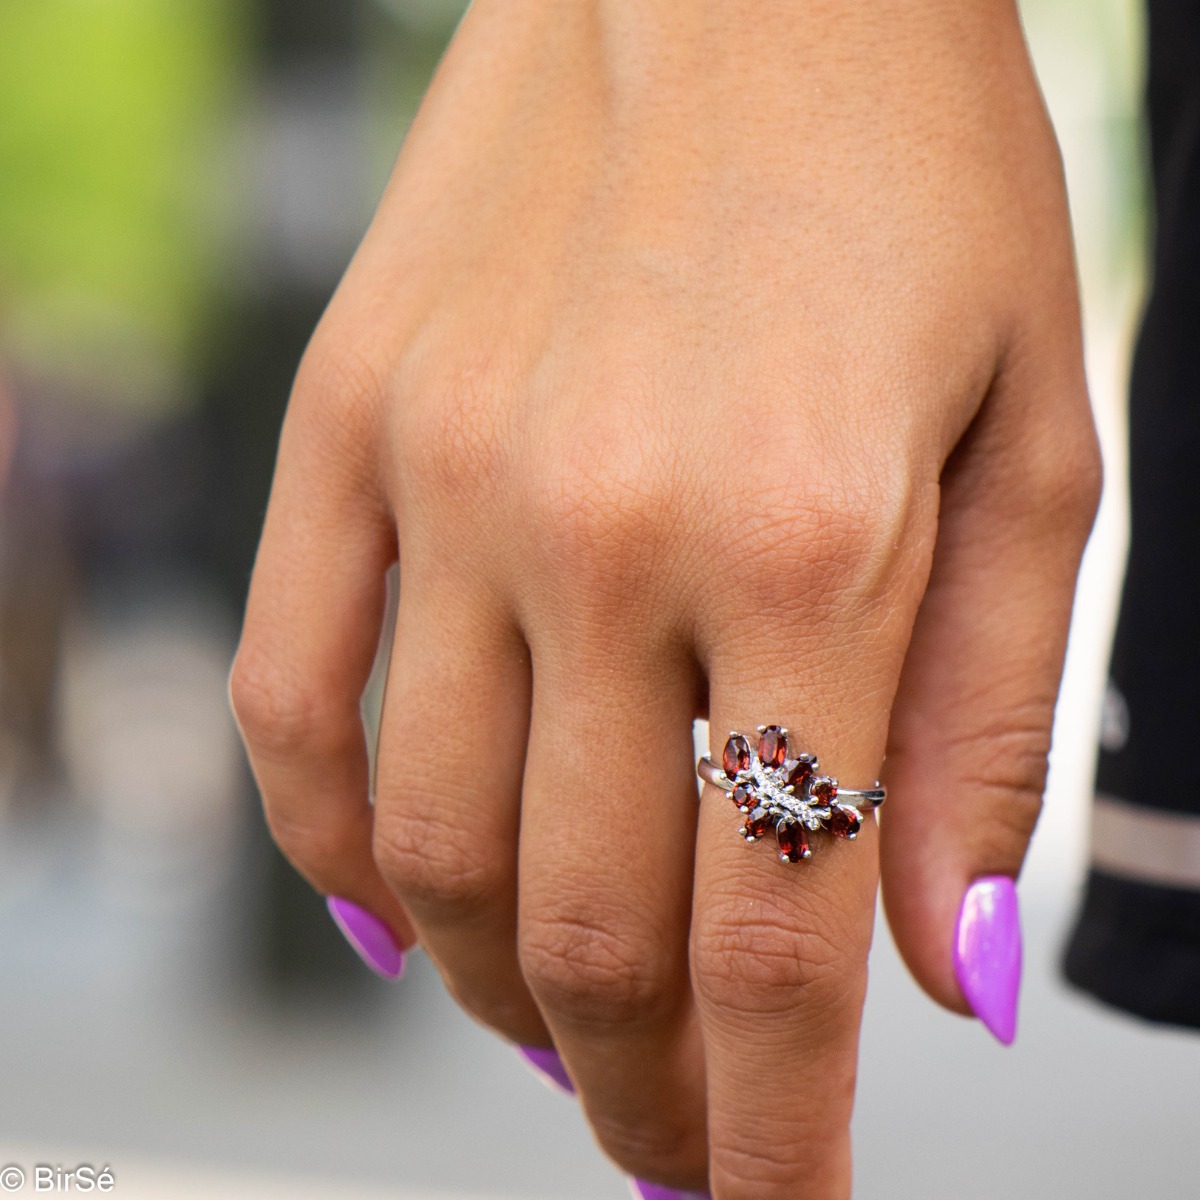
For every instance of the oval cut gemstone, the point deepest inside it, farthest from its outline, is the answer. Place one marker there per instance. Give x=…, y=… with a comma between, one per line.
x=801, y=773
x=736, y=756
x=757, y=824
x=772, y=746
x=844, y=821
x=793, y=840
x=743, y=797
x=823, y=791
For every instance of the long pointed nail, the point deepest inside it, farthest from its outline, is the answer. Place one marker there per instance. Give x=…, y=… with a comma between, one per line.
x=654, y=1191
x=548, y=1066
x=369, y=936
x=987, y=953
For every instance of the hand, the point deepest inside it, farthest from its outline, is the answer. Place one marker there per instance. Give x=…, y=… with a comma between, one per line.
x=702, y=358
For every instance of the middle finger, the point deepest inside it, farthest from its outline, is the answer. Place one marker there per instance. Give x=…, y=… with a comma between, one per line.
x=607, y=830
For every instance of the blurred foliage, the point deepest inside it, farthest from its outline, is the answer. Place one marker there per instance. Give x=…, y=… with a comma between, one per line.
x=109, y=198
x=1090, y=61
x=406, y=38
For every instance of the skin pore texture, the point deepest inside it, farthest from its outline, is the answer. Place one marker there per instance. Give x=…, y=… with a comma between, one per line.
x=702, y=358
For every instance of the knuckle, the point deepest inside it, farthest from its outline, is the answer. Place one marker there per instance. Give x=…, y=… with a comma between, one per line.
x=652, y=1145
x=592, y=972
x=276, y=712
x=818, y=542
x=601, y=509
x=1007, y=763
x=341, y=387
x=450, y=432
x=758, y=1168
x=428, y=862
x=1082, y=486
x=1059, y=480
x=996, y=761
x=763, y=962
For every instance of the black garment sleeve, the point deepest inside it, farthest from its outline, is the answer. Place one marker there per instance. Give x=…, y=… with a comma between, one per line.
x=1136, y=942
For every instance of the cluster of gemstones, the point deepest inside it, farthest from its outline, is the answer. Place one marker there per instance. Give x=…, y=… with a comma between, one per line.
x=777, y=792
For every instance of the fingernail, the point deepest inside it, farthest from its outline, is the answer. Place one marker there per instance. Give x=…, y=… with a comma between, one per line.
x=987, y=953
x=369, y=936
x=548, y=1066
x=653, y=1191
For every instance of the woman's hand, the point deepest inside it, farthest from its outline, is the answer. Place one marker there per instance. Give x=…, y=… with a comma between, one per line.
x=703, y=357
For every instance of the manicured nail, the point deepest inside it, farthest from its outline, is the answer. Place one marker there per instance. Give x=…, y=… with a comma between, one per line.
x=548, y=1066
x=369, y=936
x=653, y=1191
x=987, y=953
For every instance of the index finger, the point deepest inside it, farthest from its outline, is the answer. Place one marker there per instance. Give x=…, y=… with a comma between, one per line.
x=312, y=627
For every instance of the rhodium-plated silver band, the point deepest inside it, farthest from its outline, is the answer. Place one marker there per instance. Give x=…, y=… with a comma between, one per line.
x=864, y=798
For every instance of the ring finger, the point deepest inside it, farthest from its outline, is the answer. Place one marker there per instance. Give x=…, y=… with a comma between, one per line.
x=779, y=948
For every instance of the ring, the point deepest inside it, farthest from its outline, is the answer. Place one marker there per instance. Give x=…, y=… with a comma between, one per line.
x=776, y=791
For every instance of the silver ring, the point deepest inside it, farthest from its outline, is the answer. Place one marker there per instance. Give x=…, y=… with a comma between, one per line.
x=775, y=790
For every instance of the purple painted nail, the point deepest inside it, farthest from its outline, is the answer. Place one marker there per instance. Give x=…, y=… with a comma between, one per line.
x=654, y=1191
x=369, y=936
x=987, y=953
x=548, y=1066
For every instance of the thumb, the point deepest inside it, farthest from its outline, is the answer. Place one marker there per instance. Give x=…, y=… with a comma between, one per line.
x=970, y=731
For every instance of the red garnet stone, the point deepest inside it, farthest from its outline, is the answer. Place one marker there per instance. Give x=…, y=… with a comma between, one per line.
x=736, y=755
x=844, y=821
x=801, y=773
x=823, y=791
x=772, y=746
x=757, y=824
x=743, y=797
x=793, y=840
